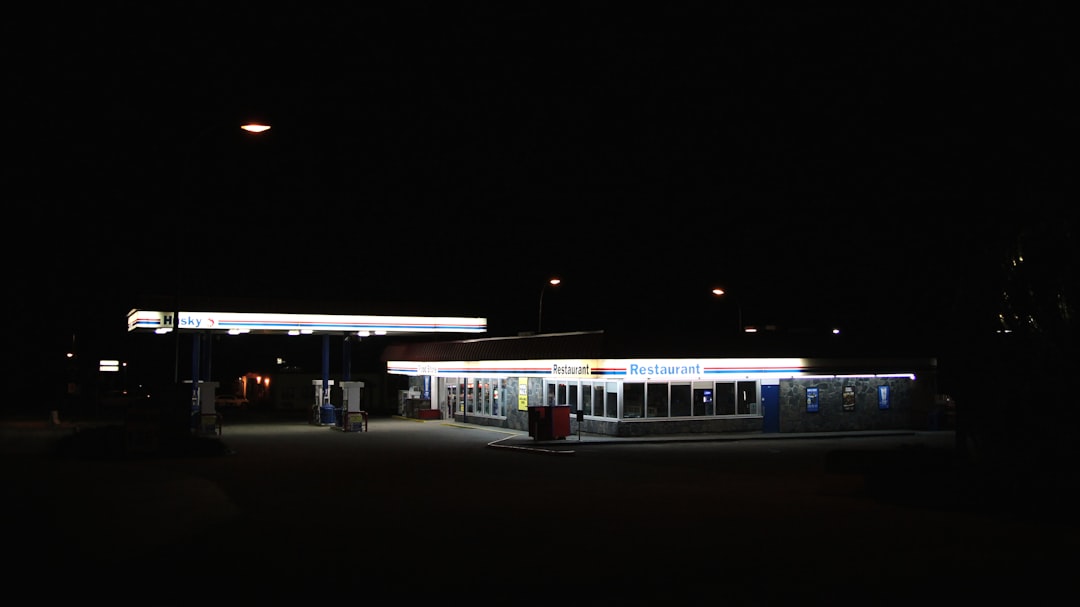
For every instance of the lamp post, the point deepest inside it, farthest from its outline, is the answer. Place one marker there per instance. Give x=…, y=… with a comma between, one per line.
x=540, y=316
x=255, y=129
x=720, y=293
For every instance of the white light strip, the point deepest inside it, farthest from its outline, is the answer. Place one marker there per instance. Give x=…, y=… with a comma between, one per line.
x=160, y=322
x=910, y=376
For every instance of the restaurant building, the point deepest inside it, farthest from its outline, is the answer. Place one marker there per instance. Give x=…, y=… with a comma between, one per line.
x=608, y=385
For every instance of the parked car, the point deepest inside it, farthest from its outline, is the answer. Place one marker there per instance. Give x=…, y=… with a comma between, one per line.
x=230, y=400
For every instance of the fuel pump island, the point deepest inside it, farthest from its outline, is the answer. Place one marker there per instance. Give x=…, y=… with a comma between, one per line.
x=350, y=415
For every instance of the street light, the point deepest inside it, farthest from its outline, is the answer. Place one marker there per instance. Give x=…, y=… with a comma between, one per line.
x=720, y=293
x=540, y=316
x=254, y=129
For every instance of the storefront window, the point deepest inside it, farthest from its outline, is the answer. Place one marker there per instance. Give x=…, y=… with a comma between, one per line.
x=703, y=399
x=657, y=395
x=497, y=395
x=633, y=400
x=651, y=400
x=611, y=400
x=725, y=398
x=747, y=397
x=483, y=397
x=680, y=400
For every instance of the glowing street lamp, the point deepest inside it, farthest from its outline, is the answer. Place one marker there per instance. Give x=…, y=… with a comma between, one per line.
x=540, y=316
x=720, y=293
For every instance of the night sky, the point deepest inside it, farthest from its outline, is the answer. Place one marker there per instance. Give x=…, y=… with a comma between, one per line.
x=865, y=167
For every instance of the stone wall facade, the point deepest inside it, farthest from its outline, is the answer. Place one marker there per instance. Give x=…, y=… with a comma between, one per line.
x=906, y=400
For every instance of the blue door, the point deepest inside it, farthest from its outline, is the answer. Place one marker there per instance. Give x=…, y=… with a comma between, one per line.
x=770, y=407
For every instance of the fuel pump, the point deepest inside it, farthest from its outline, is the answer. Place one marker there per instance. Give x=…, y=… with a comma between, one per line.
x=354, y=417
x=322, y=412
x=207, y=421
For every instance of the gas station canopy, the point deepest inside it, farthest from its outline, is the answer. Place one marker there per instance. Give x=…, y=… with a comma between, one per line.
x=295, y=324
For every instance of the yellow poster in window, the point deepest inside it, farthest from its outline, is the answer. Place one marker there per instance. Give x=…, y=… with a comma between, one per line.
x=523, y=394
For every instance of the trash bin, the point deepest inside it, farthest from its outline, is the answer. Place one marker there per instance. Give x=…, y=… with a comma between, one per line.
x=326, y=415
x=549, y=422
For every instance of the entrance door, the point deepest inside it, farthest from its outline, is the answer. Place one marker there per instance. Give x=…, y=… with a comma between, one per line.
x=770, y=407
x=451, y=397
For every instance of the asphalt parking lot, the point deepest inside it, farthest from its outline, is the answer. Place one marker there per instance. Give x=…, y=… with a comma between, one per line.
x=273, y=510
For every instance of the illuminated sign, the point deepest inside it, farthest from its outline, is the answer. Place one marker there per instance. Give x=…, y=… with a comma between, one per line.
x=719, y=369
x=240, y=322
x=575, y=369
x=654, y=369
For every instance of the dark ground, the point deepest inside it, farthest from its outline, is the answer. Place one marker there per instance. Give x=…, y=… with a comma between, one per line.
x=278, y=510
